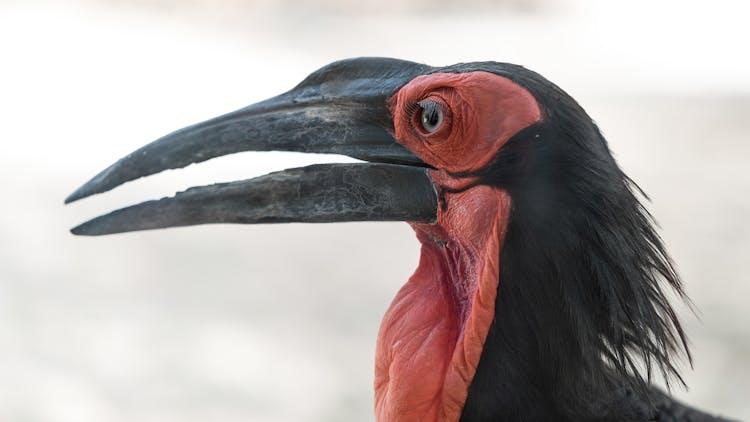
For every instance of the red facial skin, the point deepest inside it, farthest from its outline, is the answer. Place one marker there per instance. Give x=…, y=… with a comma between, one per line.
x=432, y=335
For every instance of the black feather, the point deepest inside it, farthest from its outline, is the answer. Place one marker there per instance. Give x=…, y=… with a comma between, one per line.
x=582, y=316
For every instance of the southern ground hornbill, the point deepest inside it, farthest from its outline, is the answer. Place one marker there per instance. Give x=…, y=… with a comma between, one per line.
x=541, y=289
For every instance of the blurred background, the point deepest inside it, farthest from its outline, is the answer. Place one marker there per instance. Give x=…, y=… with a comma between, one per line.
x=278, y=323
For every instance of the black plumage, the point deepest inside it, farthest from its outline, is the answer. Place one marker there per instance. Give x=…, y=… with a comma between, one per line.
x=583, y=274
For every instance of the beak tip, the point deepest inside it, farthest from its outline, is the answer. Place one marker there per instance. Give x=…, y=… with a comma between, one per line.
x=102, y=182
x=94, y=227
x=80, y=230
x=80, y=193
x=71, y=198
x=92, y=187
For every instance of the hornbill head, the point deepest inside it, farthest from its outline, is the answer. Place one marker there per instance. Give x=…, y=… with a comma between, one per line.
x=541, y=282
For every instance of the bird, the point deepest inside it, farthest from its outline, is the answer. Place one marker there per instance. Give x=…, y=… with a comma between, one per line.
x=541, y=292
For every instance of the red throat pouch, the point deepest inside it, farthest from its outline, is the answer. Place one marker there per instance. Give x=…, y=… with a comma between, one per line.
x=432, y=335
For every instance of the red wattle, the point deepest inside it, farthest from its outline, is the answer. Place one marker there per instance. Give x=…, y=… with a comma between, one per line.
x=432, y=336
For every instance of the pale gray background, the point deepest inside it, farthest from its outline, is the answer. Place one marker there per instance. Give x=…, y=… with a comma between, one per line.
x=278, y=323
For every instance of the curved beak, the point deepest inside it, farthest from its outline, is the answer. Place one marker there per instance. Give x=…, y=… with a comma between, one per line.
x=339, y=109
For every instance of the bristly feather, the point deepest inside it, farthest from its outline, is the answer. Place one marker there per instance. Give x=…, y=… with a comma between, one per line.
x=581, y=298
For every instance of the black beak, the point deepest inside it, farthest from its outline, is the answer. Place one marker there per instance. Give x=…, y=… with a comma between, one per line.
x=339, y=109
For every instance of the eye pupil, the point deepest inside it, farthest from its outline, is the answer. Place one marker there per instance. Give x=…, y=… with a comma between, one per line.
x=432, y=115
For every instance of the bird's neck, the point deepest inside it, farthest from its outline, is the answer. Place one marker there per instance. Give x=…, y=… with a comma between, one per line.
x=542, y=358
x=432, y=336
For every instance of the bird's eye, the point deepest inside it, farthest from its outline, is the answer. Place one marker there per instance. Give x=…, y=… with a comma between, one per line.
x=432, y=116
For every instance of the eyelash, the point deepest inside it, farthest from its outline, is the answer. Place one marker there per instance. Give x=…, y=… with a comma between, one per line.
x=413, y=108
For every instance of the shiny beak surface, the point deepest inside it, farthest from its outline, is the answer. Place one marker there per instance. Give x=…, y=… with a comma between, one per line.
x=339, y=109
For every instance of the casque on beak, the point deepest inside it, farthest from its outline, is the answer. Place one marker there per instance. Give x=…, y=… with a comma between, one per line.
x=339, y=109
